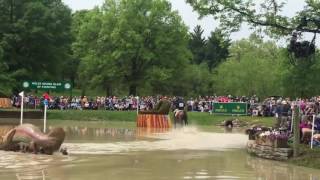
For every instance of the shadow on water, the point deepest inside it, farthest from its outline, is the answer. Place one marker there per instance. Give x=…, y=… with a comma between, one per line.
x=138, y=154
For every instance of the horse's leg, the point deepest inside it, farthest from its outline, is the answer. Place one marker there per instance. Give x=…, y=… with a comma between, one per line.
x=185, y=117
x=33, y=147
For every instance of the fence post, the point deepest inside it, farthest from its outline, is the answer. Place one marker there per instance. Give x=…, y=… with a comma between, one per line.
x=296, y=131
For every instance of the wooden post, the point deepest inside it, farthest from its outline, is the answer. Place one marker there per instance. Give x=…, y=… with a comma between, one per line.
x=312, y=132
x=21, y=105
x=45, y=117
x=296, y=131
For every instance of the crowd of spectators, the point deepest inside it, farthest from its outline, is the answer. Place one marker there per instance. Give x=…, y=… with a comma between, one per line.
x=282, y=109
x=200, y=104
x=278, y=107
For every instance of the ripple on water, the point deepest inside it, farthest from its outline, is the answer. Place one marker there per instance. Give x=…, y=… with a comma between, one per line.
x=20, y=162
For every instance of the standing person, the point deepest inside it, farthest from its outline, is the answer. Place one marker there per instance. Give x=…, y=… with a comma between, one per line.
x=46, y=96
x=45, y=99
x=278, y=113
x=285, y=108
x=163, y=106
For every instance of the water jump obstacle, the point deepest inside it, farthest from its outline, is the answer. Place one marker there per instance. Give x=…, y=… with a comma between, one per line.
x=153, y=120
x=156, y=118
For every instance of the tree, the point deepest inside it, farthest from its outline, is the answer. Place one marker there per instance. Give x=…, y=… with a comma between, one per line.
x=197, y=45
x=217, y=49
x=232, y=14
x=35, y=37
x=5, y=79
x=253, y=68
x=301, y=80
x=96, y=70
x=298, y=79
x=138, y=40
x=197, y=80
x=71, y=64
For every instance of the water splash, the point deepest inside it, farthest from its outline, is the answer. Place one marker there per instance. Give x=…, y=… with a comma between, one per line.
x=187, y=138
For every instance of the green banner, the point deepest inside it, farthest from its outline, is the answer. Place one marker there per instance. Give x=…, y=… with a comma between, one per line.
x=230, y=108
x=56, y=86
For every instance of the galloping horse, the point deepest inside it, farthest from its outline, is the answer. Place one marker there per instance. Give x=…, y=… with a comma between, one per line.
x=180, y=116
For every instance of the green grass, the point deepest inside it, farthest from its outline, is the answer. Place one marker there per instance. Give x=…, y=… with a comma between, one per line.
x=195, y=118
x=308, y=158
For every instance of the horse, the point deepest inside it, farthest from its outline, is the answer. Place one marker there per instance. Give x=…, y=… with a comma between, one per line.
x=180, y=116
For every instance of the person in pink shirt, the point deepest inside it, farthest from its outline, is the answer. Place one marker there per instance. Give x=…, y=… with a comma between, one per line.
x=303, y=106
x=305, y=129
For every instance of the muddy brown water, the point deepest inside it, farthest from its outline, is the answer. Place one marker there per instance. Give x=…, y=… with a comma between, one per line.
x=140, y=154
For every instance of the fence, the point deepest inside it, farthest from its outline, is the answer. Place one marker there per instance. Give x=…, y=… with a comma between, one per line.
x=5, y=103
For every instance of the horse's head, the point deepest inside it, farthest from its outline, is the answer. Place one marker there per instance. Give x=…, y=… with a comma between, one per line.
x=57, y=136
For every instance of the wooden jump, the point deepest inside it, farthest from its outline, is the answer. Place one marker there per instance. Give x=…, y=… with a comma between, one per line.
x=147, y=120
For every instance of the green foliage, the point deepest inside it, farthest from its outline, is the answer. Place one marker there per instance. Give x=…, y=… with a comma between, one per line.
x=133, y=42
x=197, y=80
x=217, y=48
x=299, y=80
x=96, y=68
x=302, y=80
x=262, y=68
x=35, y=37
x=232, y=14
x=197, y=45
x=253, y=68
x=6, y=82
x=143, y=47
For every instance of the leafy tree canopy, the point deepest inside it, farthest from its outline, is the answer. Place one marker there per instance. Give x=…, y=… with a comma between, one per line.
x=135, y=40
x=233, y=13
x=35, y=38
x=253, y=68
x=217, y=48
x=197, y=45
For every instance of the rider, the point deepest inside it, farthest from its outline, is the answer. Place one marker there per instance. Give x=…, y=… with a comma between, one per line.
x=181, y=106
x=163, y=106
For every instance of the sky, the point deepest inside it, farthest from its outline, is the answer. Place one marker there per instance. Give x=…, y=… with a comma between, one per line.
x=190, y=17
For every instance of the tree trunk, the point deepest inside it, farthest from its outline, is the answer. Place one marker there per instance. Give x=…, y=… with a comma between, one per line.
x=83, y=91
x=133, y=90
x=72, y=79
x=108, y=91
x=11, y=11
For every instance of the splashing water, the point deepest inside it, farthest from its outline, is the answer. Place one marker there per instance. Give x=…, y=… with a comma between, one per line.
x=187, y=138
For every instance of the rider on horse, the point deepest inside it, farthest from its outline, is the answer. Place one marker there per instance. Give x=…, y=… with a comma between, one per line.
x=180, y=111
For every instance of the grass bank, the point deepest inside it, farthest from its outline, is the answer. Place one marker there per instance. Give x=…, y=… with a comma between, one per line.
x=308, y=158
x=195, y=118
